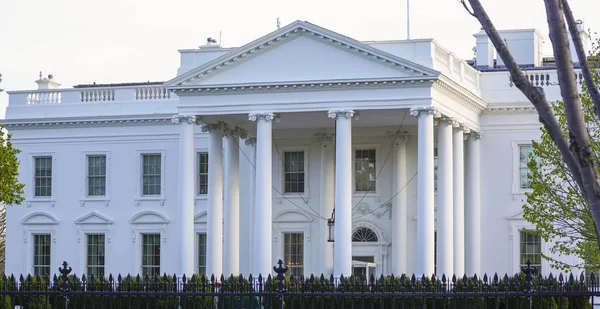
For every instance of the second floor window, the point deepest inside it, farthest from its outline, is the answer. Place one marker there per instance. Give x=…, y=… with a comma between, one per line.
x=293, y=170
x=43, y=176
x=365, y=172
x=202, y=173
x=96, y=175
x=151, y=174
x=524, y=151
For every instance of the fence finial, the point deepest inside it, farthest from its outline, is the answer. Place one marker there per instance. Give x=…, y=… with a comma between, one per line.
x=280, y=270
x=65, y=271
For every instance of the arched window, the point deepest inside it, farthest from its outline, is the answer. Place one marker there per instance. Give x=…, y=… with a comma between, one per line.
x=364, y=234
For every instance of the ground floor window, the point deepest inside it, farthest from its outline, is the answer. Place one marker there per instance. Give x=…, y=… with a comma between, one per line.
x=530, y=249
x=41, y=254
x=202, y=254
x=293, y=253
x=150, y=254
x=95, y=255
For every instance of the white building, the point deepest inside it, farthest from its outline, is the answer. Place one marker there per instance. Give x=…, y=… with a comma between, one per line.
x=230, y=165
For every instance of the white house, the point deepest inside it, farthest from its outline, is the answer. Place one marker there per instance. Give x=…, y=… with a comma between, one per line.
x=241, y=158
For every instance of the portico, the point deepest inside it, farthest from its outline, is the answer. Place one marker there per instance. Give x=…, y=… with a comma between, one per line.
x=354, y=94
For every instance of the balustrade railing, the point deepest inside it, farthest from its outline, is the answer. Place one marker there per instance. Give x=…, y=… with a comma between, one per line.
x=92, y=95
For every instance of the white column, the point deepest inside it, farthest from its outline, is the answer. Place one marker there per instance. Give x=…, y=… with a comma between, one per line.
x=425, y=191
x=473, y=206
x=214, y=207
x=327, y=199
x=342, y=250
x=185, y=211
x=231, y=214
x=251, y=143
x=399, y=212
x=263, y=216
x=459, y=201
x=445, y=232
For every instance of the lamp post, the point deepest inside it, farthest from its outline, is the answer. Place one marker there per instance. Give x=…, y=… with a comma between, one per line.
x=331, y=226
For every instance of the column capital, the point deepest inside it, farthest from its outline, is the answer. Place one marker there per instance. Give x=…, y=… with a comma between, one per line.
x=450, y=121
x=220, y=126
x=339, y=113
x=235, y=132
x=250, y=141
x=191, y=119
x=325, y=138
x=263, y=116
x=397, y=136
x=475, y=135
x=430, y=110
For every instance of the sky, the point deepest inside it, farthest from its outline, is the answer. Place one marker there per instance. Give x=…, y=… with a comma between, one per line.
x=111, y=41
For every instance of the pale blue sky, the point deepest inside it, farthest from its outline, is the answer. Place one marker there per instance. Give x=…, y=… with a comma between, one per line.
x=82, y=41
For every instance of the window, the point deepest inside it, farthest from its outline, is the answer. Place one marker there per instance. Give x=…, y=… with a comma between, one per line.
x=531, y=249
x=364, y=234
x=202, y=173
x=524, y=152
x=364, y=167
x=150, y=254
x=202, y=254
x=41, y=254
x=435, y=168
x=151, y=174
x=293, y=253
x=95, y=255
x=96, y=177
x=43, y=176
x=293, y=162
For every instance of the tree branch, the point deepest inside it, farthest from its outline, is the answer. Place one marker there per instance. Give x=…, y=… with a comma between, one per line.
x=534, y=94
x=583, y=62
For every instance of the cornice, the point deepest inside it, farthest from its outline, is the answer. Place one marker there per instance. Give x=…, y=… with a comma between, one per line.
x=463, y=96
x=313, y=85
x=35, y=123
x=295, y=29
x=510, y=110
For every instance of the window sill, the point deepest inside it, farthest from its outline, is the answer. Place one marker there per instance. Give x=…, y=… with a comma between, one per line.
x=40, y=200
x=157, y=198
x=95, y=199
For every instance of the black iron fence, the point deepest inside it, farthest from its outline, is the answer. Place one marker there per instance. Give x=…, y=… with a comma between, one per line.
x=524, y=290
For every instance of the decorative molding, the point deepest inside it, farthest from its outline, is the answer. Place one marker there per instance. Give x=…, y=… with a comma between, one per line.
x=190, y=119
x=63, y=123
x=373, y=226
x=511, y=110
x=429, y=110
x=235, y=132
x=325, y=138
x=461, y=95
x=475, y=135
x=220, y=126
x=263, y=116
x=450, y=121
x=346, y=113
x=364, y=208
x=397, y=136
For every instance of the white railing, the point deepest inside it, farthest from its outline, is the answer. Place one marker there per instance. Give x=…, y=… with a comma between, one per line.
x=456, y=68
x=545, y=78
x=109, y=95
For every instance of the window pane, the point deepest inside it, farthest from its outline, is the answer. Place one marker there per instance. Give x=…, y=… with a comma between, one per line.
x=151, y=174
x=41, y=254
x=150, y=254
x=365, y=170
x=43, y=176
x=293, y=169
x=97, y=175
x=530, y=249
x=203, y=173
x=95, y=255
x=202, y=254
x=293, y=253
x=524, y=152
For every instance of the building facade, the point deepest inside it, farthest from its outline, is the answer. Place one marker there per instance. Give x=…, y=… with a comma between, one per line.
x=242, y=157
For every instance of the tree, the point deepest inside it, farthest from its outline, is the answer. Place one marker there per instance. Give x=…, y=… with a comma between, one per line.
x=556, y=205
x=11, y=191
x=574, y=145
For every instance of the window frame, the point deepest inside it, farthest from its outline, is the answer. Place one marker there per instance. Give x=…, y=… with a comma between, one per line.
x=38, y=223
x=32, y=159
x=87, y=253
x=197, y=252
x=516, y=169
x=160, y=254
x=87, y=196
x=148, y=222
x=517, y=223
x=375, y=147
x=304, y=256
x=93, y=223
x=33, y=241
x=140, y=177
x=281, y=171
x=292, y=221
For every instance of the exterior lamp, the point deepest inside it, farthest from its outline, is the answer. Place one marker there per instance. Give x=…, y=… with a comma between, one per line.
x=331, y=226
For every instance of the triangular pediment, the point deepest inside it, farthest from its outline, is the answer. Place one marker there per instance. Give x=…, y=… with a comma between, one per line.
x=301, y=52
x=93, y=218
x=516, y=216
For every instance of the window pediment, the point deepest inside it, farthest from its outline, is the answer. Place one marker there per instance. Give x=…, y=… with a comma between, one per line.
x=291, y=216
x=93, y=218
x=40, y=218
x=149, y=217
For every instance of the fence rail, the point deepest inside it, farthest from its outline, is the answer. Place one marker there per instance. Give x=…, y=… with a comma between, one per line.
x=523, y=290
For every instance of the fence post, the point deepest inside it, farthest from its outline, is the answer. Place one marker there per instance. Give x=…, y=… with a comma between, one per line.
x=529, y=271
x=65, y=271
x=280, y=270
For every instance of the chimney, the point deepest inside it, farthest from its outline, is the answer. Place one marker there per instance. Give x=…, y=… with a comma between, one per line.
x=484, y=51
x=526, y=46
x=47, y=82
x=585, y=40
